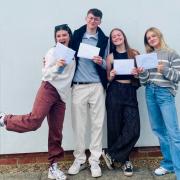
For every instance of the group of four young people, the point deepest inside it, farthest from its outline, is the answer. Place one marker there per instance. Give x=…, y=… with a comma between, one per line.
x=89, y=79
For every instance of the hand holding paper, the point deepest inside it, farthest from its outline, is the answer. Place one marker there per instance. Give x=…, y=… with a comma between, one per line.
x=123, y=66
x=87, y=51
x=60, y=63
x=63, y=52
x=60, y=52
x=160, y=66
x=147, y=61
x=112, y=74
x=98, y=60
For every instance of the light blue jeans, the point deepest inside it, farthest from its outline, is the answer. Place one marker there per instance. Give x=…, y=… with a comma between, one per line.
x=164, y=123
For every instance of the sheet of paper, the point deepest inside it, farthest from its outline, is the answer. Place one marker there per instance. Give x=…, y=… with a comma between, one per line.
x=63, y=52
x=87, y=51
x=123, y=66
x=147, y=61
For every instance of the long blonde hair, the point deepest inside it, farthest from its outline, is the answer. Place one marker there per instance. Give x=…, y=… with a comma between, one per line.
x=163, y=44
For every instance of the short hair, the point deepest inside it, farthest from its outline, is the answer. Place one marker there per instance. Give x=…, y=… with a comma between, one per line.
x=64, y=27
x=159, y=34
x=95, y=12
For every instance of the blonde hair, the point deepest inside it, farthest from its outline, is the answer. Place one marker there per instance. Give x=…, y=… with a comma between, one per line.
x=163, y=44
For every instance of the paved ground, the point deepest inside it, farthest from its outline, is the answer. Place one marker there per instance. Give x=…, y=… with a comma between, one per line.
x=36, y=173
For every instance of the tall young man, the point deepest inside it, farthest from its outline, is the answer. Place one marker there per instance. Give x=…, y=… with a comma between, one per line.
x=88, y=94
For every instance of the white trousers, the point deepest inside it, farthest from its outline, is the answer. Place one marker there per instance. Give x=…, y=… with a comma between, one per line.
x=88, y=97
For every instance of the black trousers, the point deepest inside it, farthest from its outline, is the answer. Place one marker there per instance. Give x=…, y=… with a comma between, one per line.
x=123, y=121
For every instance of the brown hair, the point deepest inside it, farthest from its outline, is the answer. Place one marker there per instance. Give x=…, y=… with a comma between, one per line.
x=131, y=52
x=95, y=12
x=64, y=27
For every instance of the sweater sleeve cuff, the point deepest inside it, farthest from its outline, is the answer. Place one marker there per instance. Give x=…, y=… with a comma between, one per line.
x=55, y=68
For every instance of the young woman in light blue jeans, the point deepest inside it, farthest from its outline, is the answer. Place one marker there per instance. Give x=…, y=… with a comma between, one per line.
x=161, y=86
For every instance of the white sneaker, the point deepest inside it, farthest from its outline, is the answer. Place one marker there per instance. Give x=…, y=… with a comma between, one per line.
x=55, y=173
x=2, y=115
x=76, y=167
x=108, y=160
x=161, y=171
x=95, y=170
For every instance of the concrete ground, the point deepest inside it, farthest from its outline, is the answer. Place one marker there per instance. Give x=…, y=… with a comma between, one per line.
x=117, y=174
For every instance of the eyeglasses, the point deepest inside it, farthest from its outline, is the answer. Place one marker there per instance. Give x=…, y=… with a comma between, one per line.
x=96, y=19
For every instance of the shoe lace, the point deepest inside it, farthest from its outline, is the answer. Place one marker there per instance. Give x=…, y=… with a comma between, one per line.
x=2, y=115
x=57, y=173
x=109, y=158
x=1, y=120
x=128, y=164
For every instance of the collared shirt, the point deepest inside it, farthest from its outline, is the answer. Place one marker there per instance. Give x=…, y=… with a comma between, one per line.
x=86, y=70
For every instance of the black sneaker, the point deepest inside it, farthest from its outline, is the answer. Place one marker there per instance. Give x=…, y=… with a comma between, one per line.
x=128, y=168
x=108, y=160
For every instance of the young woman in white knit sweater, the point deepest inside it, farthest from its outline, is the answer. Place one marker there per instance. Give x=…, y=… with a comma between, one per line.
x=161, y=86
x=50, y=102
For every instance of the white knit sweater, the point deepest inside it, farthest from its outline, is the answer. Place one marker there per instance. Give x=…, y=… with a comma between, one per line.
x=61, y=81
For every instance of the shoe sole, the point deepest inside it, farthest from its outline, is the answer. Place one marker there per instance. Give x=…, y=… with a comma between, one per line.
x=83, y=167
x=128, y=174
x=52, y=177
x=161, y=174
x=107, y=161
x=96, y=176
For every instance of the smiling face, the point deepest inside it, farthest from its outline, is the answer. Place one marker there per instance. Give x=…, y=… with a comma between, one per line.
x=153, y=39
x=117, y=38
x=92, y=22
x=62, y=37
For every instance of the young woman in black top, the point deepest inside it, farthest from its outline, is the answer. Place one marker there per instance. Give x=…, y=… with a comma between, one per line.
x=123, y=122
